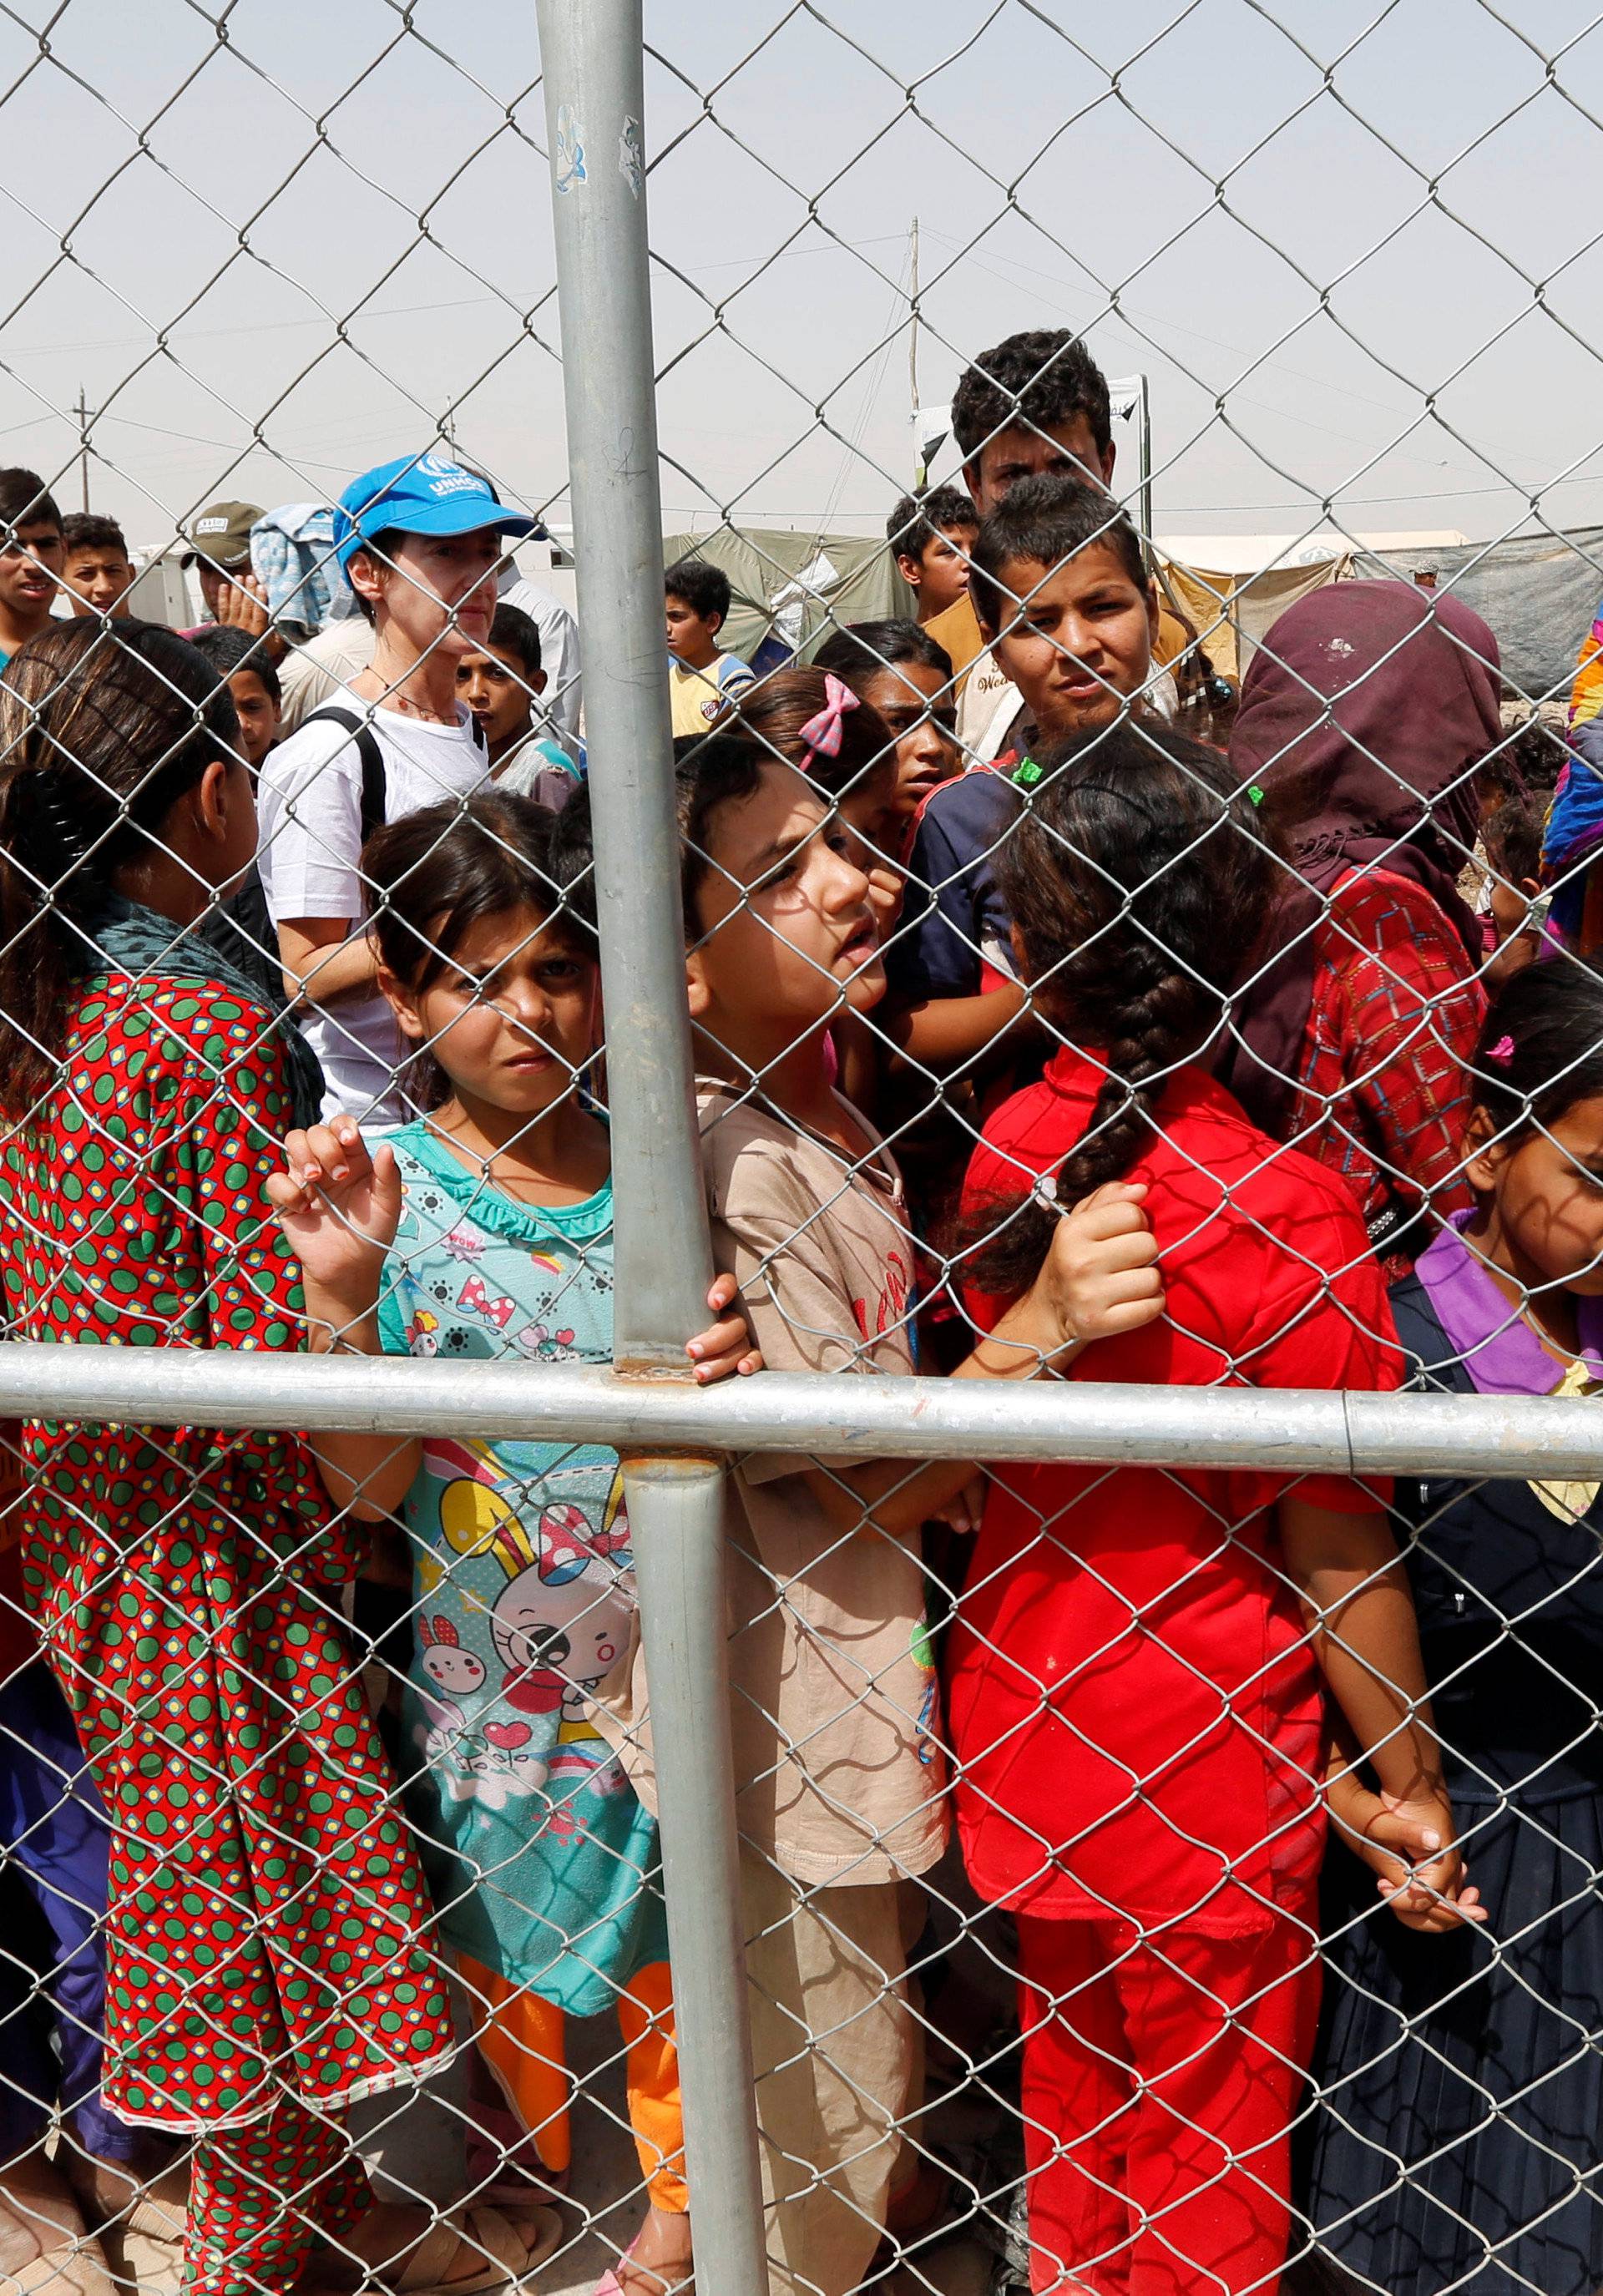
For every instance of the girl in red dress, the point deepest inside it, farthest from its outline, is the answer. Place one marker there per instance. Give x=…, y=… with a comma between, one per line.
x=1140, y=1663
x=268, y=1933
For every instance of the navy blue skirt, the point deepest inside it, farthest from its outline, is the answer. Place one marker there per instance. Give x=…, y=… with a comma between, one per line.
x=1456, y=2126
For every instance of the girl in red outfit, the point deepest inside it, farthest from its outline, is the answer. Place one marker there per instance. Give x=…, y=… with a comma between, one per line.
x=1363, y=717
x=1138, y=1670
x=267, y=1938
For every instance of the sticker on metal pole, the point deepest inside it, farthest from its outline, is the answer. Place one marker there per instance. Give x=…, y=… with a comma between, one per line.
x=570, y=150
x=631, y=156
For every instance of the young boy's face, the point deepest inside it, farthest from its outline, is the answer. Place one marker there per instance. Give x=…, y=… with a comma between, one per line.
x=693, y=637
x=29, y=565
x=499, y=691
x=99, y=577
x=1023, y=450
x=939, y=573
x=790, y=934
x=1081, y=642
x=257, y=713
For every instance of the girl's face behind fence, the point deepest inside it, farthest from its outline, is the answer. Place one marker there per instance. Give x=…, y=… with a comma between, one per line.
x=915, y=702
x=790, y=938
x=511, y=1019
x=1542, y=1200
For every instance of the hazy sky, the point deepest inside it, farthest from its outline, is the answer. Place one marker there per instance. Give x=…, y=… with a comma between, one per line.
x=1235, y=198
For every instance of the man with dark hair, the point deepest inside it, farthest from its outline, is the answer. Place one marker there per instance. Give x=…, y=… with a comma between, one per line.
x=702, y=682
x=30, y=558
x=930, y=536
x=96, y=565
x=1037, y=402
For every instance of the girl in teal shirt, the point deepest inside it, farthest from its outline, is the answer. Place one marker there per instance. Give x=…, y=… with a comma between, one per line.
x=494, y=1212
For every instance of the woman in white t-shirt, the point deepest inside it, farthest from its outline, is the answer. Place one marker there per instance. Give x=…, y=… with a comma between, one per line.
x=419, y=541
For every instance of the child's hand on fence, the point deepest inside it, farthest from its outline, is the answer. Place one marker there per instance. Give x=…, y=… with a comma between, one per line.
x=1101, y=1277
x=1408, y=1847
x=339, y=1207
x=965, y=1510
x=726, y=1346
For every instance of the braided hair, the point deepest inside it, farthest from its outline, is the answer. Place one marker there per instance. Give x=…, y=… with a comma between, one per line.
x=1139, y=882
x=104, y=727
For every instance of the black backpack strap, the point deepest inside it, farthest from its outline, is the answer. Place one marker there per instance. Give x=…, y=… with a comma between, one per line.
x=374, y=791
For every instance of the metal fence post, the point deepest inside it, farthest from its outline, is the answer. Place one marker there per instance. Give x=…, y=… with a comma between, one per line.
x=593, y=60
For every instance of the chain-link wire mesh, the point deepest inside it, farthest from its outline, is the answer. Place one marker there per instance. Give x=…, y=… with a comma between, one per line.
x=1095, y=1788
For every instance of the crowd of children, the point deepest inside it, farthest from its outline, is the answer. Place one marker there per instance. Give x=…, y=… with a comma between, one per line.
x=1034, y=1039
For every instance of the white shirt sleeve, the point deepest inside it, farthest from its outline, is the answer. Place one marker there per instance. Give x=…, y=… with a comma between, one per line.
x=309, y=805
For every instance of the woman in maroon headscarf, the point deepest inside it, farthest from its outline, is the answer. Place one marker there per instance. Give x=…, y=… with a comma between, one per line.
x=1363, y=717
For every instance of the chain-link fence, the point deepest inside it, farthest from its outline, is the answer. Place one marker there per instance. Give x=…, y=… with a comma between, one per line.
x=1078, y=1769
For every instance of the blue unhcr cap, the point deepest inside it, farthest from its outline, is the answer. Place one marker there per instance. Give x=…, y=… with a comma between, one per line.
x=420, y=494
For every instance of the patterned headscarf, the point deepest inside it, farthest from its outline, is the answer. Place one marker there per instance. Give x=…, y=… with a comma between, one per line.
x=1363, y=717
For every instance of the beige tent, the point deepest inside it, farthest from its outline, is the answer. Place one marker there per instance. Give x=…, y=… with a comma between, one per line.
x=793, y=588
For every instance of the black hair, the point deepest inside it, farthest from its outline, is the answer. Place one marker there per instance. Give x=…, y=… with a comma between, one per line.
x=1512, y=837
x=86, y=529
x=861, y=651
x=774, y=712
x=433, y=874
x=382, y=549
x=1041, y=522
x=1038, y=380
x=1540, y=1049
x=231, y=651
x=1531, y=758
x=25, y=500
x=721, y=768
x=104, y=726
x=918, y=519
x=703, y=587
x=1138, y=879
x=512, y=631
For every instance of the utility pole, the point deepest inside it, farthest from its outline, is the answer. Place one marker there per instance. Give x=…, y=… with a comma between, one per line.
x=912, y=330
x=82, y=412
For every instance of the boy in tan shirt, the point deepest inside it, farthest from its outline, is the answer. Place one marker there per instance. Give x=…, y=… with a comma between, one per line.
x=841, y=1774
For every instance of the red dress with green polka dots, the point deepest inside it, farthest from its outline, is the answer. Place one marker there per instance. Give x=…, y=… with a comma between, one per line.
x=268, y=1929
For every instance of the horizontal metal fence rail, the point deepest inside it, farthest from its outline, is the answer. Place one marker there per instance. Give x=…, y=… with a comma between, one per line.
x=1287, y=1430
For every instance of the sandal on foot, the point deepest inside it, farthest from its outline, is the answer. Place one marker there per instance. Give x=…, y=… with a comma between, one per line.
x=609, y=2284
x=507, y=2182
x=511, y=2252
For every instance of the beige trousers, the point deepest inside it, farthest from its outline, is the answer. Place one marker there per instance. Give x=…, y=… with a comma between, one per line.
x=832, y=2044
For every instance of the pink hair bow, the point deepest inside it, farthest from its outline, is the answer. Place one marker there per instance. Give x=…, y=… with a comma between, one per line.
x=821, y=734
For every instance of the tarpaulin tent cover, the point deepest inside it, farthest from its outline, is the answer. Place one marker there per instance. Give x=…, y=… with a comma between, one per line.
x=796, y=586
x=1230, y=613
x=1537, y=592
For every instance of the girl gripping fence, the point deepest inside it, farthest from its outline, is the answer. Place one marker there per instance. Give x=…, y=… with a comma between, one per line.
x=1134, y=1693
x=1463, y=2104
x=484, y=1230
